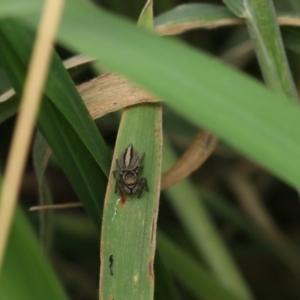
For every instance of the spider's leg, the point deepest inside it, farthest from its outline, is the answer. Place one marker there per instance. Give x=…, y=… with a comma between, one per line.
x=142, y=184
x=118, y=168
x=116, y=186
x=142, y=157
x=141, y=168
x=146, y=185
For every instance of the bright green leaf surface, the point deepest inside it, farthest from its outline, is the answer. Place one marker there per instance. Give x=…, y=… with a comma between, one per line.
x=20, y=8
x=129, y=225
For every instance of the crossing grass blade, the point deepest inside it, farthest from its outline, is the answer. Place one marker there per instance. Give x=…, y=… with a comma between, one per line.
x=241, y=118
x=251, y=129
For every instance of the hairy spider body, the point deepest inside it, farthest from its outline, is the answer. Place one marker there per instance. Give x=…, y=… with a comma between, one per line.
x=128, y=168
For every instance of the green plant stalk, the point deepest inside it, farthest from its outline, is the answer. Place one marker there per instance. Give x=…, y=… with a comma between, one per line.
x=202, y=232
x=264, y=31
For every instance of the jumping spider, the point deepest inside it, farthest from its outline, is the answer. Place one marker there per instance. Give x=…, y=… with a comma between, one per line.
x=128, y=168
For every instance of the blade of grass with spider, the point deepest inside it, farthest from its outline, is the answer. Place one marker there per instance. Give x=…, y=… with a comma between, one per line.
x=128, y=237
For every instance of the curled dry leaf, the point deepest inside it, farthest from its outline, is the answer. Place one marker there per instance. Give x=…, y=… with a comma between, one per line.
x=111, y=92
x=197, y=153
x=288, y=20
x=193, y=16
x=174, y=29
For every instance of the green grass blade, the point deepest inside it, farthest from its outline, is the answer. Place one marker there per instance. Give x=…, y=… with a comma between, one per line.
x=83, y=171
x=146, y=16
x=13, y=8
x=129, y=228
x=262, y=24
x=26, y=274
x=128, y=236
x=202, y=232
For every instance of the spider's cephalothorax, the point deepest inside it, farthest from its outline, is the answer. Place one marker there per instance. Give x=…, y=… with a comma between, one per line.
x=128, y=168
